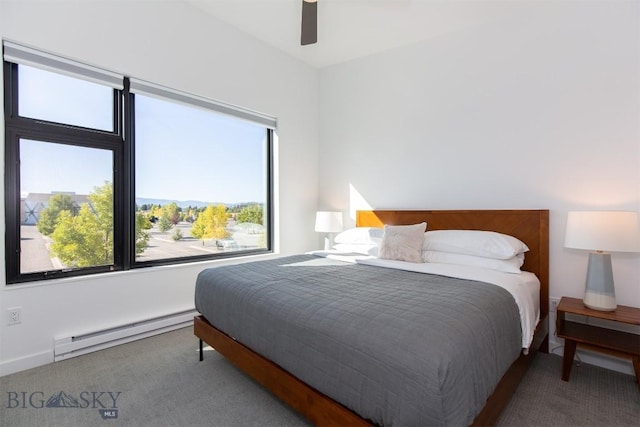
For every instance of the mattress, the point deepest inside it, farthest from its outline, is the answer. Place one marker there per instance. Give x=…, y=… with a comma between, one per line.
x=397, y=347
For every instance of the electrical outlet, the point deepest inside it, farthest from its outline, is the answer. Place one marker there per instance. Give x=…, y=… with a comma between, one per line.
x=14, y=316
x=553, y=304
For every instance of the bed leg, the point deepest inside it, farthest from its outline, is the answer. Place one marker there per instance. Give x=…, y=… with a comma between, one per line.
x=201, y=352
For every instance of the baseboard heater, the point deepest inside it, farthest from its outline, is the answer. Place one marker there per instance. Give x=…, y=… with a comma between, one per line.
x=78, y=345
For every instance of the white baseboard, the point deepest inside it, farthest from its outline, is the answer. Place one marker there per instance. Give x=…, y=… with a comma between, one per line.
x=66, y=348
x=27, y=362
x=73, y=346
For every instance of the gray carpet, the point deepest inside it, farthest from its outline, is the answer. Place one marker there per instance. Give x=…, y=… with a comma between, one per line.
x=161, y=383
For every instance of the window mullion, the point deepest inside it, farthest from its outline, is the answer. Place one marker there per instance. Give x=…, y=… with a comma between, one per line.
x=127, y=175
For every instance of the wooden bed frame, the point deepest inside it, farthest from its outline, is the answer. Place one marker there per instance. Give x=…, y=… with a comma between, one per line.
x=530, y=226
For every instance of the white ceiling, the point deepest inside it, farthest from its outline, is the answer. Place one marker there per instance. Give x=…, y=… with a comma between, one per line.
x=349, y=29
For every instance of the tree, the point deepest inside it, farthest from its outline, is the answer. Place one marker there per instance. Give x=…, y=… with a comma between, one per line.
x=211, y=223
x=164, y=223
x=102, y=202
x=78, y=242
x=156, y=211
x=252, y=214
x=86, y=239
x=172, y=210
x=142, y=236
x=49, y=215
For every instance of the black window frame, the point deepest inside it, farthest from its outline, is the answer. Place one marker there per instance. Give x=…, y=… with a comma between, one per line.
x=121, y=142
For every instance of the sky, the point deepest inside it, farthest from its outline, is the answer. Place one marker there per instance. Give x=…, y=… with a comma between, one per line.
x=47, y=168
x=182, y=152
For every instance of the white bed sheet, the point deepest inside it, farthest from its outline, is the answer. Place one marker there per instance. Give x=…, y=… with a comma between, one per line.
x=524, y=287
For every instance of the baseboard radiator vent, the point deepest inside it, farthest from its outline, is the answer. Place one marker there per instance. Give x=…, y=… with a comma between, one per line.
x=78, y=345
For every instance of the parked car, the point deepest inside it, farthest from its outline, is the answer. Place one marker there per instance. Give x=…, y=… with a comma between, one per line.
x=226, y=244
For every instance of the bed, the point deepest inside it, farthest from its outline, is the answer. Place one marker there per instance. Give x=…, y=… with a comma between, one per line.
x=317, y=356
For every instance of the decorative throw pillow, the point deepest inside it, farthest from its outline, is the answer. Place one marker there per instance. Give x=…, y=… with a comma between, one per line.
x=403, y=242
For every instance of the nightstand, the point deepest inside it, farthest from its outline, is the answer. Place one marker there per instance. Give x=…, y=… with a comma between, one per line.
x=617, y=343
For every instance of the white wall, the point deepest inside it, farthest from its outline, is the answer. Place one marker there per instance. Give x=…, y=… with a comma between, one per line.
x=541, y=111
x=172, y=44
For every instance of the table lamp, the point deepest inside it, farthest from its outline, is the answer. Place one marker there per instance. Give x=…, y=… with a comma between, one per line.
x=328, y=222
x=602, y=232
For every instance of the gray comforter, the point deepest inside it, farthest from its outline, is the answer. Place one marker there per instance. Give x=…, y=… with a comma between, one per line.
x=396, y=347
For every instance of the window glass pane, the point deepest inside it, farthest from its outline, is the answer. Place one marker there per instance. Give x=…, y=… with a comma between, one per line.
x=201, y=181
x=58, y=98
x=66, y=201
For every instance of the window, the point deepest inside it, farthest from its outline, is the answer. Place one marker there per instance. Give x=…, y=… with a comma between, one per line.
x=62, y=99
x=71, y=228
x=201, y=180
x=189, y=179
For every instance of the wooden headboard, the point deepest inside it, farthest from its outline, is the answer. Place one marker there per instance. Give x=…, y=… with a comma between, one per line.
x=530, y=226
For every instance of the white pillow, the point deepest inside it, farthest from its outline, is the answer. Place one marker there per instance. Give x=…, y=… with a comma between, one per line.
x=361, y=236
x=358, y=249
x=403, y=242
x=511, y=265
x=488, y=244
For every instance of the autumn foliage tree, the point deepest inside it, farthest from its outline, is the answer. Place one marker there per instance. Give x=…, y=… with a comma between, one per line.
x=211, y=223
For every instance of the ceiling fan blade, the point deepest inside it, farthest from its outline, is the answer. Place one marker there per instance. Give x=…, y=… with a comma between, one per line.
x=309, y=28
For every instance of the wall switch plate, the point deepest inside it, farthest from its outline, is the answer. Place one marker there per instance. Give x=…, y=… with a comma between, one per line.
x=553, y=304
x=14, y=316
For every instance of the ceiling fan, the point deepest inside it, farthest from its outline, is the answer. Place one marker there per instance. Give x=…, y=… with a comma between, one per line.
x=309, y=27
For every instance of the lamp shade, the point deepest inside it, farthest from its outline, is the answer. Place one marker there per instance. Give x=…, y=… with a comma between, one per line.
x=608, y=231
x=328, y=222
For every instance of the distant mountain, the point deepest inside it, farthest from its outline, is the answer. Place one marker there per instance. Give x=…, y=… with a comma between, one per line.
x=180, y=203
x=186, y=203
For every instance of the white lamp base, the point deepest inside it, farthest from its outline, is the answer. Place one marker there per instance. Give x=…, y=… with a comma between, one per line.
x=599, y=302
x=328, y=242
x=599, y=292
